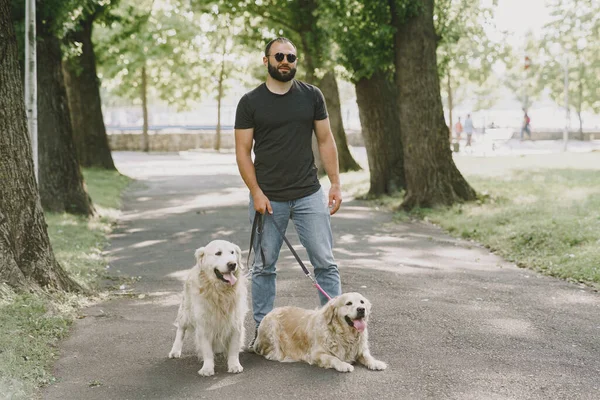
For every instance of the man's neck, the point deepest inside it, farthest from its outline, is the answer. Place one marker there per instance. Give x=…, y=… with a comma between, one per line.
x=278, y=87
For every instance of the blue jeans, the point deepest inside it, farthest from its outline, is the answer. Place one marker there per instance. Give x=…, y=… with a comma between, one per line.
x=312, y=221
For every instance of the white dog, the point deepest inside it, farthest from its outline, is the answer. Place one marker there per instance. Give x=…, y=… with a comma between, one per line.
x=331, y=337
x=214, y=305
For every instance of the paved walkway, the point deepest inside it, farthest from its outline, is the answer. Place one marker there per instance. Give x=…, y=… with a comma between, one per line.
x=493, y=144
x=451, y=320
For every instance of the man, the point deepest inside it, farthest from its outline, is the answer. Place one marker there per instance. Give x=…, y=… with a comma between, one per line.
x=469, y=129
x=525, y=125
x=458, y=129
x=279, y=117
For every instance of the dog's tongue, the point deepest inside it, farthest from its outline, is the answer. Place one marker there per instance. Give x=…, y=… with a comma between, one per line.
x=230, y=278
x=359, y=324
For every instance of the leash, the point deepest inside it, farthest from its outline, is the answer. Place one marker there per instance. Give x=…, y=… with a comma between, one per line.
x=258, y=216
x=257, y=227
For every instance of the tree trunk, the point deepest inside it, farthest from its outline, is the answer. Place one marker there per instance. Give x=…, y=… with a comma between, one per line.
x=315, y=55
x=378, y=112
x=144, y=87
x=450, y=105
x=331, y=93
x=580, y=101
x=83, y=91
x=308, y=58
x=26, y=257
x=30, y=81
x=431, y=176
x=580, y=123
x=60, y=180
x=219, y=100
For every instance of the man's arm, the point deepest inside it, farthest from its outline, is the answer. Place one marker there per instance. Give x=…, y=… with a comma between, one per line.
x=329, y=158
x=243, y=156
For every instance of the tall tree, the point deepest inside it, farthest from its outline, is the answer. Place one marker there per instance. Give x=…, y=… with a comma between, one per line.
x=83, y=90
x=60, y=179
x=224, y=37
x=26, y=257
x=523, y=71
x=466, y=53
x=165, y=51
x=140, y=50
x=223, y=48
x=331, y=93
x=568, y=46
x=431, y=175
x=364, y=37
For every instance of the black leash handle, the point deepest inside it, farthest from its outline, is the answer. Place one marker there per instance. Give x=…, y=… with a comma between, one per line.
x=257, y=225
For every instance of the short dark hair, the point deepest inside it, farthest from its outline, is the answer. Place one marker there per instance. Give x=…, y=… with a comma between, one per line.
x=280, y=39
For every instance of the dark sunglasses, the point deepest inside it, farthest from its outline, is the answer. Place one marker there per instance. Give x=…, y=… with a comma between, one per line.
x=280, y=56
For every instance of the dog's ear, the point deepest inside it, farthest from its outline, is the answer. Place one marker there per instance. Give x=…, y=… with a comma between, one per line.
x=330, y=310
x=238, y=253
x=199, y=254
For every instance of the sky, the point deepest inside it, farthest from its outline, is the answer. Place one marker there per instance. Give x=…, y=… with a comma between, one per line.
x=519, y=16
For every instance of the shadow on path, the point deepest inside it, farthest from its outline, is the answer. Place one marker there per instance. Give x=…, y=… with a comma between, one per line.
x=450, y=319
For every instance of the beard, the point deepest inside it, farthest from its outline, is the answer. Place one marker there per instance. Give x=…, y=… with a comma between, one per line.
x=281, y=77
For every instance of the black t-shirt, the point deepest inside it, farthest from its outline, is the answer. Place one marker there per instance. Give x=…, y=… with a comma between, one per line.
x=283, y=126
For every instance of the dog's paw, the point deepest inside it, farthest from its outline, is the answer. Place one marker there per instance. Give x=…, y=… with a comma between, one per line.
x=235, y=368
x=175, y=354
x=376, y=365
x=344, y=367
x=205, y=371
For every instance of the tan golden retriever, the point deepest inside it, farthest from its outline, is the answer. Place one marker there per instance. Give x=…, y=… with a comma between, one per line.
x=214, y=305
x=331, y=337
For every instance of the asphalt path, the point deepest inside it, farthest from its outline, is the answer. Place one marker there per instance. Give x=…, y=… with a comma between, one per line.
x=452, y=320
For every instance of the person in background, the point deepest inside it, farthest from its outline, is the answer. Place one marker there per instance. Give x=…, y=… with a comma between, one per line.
x=458, y=129
x=469, y=129
x=525, y=125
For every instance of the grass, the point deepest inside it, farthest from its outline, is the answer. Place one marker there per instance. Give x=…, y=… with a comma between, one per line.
x=540, y=211
x=31, y=325
x=78, y=241
x=546, y=220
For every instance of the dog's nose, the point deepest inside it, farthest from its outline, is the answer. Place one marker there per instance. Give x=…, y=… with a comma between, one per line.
x=360, y=311
x=231, y=266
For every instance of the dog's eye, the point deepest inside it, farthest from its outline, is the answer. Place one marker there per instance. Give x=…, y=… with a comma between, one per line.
x=349, y=303
x=231, y=251
x=362, y=302
x=218, y=253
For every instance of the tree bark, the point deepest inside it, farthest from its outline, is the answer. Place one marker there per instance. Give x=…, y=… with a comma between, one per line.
x=331, y=93
x=431, y=175
x=450, y=105
x=83, y=91
x=578, y=111
x=313, y=39
x=219, y=100
x=378, y=112
x=580, y=102
x=144, y=87
x=26, y=257
x=60, y=180
x=308, y=58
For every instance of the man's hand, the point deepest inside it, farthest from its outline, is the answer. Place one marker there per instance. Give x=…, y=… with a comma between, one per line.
x=335, y=198
x=261, y=202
